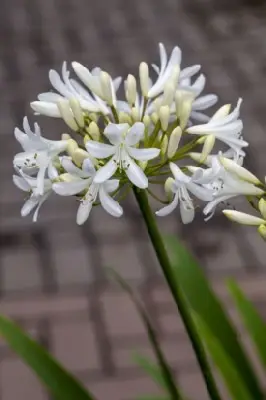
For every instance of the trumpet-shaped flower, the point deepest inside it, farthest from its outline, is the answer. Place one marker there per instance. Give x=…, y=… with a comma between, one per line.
x=123, y=152
x=39, y=153
x=81, y=181
x=181, y=186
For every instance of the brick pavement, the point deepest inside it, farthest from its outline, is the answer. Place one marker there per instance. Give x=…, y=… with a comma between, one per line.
x=52, y=274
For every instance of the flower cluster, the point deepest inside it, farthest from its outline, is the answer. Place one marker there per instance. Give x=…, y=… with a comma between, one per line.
x=159, y=135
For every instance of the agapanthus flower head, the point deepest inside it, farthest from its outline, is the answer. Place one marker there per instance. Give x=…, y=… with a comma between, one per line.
x=113, y=144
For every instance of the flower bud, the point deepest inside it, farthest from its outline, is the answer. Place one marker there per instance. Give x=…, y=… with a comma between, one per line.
x=262, y=207
x=94, y=131
x=66, y=177
x=143, y=165
x=124, y=118
x=86, y=138
x=154, y=118
x=106, y=86
x=207, y=147
x=71, y=146
x=93, y=117
x=243, y=218
x=135, y=114
x=185, y=112
x=168, y=185
x=262, y=231
x=168, y=94
x=131, y=89
x=65, y=136
x=77, y=111
x=144, y=78
x=174, y=141
x=241, y=172
x=164, y=145
x=79, y=156
x=66, y=114
x=164, y=114
x=146, y=121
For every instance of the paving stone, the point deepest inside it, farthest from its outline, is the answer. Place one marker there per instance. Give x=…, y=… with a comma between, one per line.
x=74, y=345
x=18, y=382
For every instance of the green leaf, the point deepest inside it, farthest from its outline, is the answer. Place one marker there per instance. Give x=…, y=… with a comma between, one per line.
x=234, y=383
x=61, y=384
x=152, y=369
x=205, y=304
x=165, y=369
x=252, y=320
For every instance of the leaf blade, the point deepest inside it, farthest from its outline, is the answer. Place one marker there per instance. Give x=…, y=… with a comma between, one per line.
x=61, y=383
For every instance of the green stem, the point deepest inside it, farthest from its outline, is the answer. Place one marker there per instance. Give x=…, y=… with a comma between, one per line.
x=115, y=115
x=176, y=291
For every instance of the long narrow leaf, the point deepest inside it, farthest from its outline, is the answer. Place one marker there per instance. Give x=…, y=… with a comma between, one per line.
x=166, y=371
x=152, y=369
x=252, y=320
x=234, y=383
x=61, y=384
x=203, y=302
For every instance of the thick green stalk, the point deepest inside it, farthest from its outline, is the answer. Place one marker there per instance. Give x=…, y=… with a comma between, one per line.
x=176, y=291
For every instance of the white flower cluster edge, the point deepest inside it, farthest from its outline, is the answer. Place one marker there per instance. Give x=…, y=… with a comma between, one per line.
x=148, y=139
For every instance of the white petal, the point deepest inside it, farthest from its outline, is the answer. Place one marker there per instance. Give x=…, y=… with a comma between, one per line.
x=46, y=108
x=109, y=204
x=178, y=174
x=168, y=209
x=189, y=71
x=50, y=97
x=57, y=83
x=203, y=102
x=136, y=175
x=199, y=84
x=29, y=206
x=114, y=132
x=105, y=172
x=187, y=212
x=143, y=154
x=71, y=168
x=88, y=167
x=21, y=183
x=36, y=212
x=230, y=117
x=163, y=56
x=200, y=192
x=100, y=150
x=52, y=171
x=117, y=82
x=135, y=134
x=83, y=212
x=198, y=116
x=111, y=185
x=70, y=188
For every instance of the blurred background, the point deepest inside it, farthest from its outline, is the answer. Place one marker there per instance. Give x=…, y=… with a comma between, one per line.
x=52, y=273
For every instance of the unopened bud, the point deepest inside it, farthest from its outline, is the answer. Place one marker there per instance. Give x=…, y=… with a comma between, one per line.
x=131, y=89
x=185, y=113
x=143, y=165
x=106, y=86
x=144, y=78
x=154, y=118
x=168, y=187
x=164, y=114
x=65, y=177
x=86, y=138
x=168, y=94
x=93, y=117
x=65, y=136
x=207, y=147
x=262, y=231
x=262, y=207
x=146, y=121
x=164, y=145
x=77, y=111
x=124, y=118
x=71, y=146
x=243, y=218
x=174, y=141
x=241, y=172
x=79, y=156
x=94, y=131
x=135, y=114
x=66, y=114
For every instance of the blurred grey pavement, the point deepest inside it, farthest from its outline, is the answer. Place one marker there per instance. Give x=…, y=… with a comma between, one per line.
x=52, y=273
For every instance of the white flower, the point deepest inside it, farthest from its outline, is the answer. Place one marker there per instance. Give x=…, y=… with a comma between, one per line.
x=181, y=186
x=200, y=103
x=123, y=138
x=38, y=154
x=35, y=200
x=70, y=88
x=224, y=184
x=83, y=181
x=225, y=127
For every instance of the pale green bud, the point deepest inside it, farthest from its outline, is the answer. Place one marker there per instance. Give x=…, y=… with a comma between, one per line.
x=168, y=185
x=66, y=114
x=243, y=218
x=79, y=156
x=131, y=89
x=164, y=145
x=168, y=94
x=106, y=86
x=185, y=112
x=94, y=131
x=71, y=146
x=262, y=207
x=262, y=231
x=154, y=118
x=174, y=141
x=135, y=114
x=93, y=117
x=146, y=121
x=86, y=138
x=207, y=147
x=144, y=78
x=124, y=118
x=65, y=136
x=143, y=165
x=77, y=112
x=241, y=172
x=164, y=114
